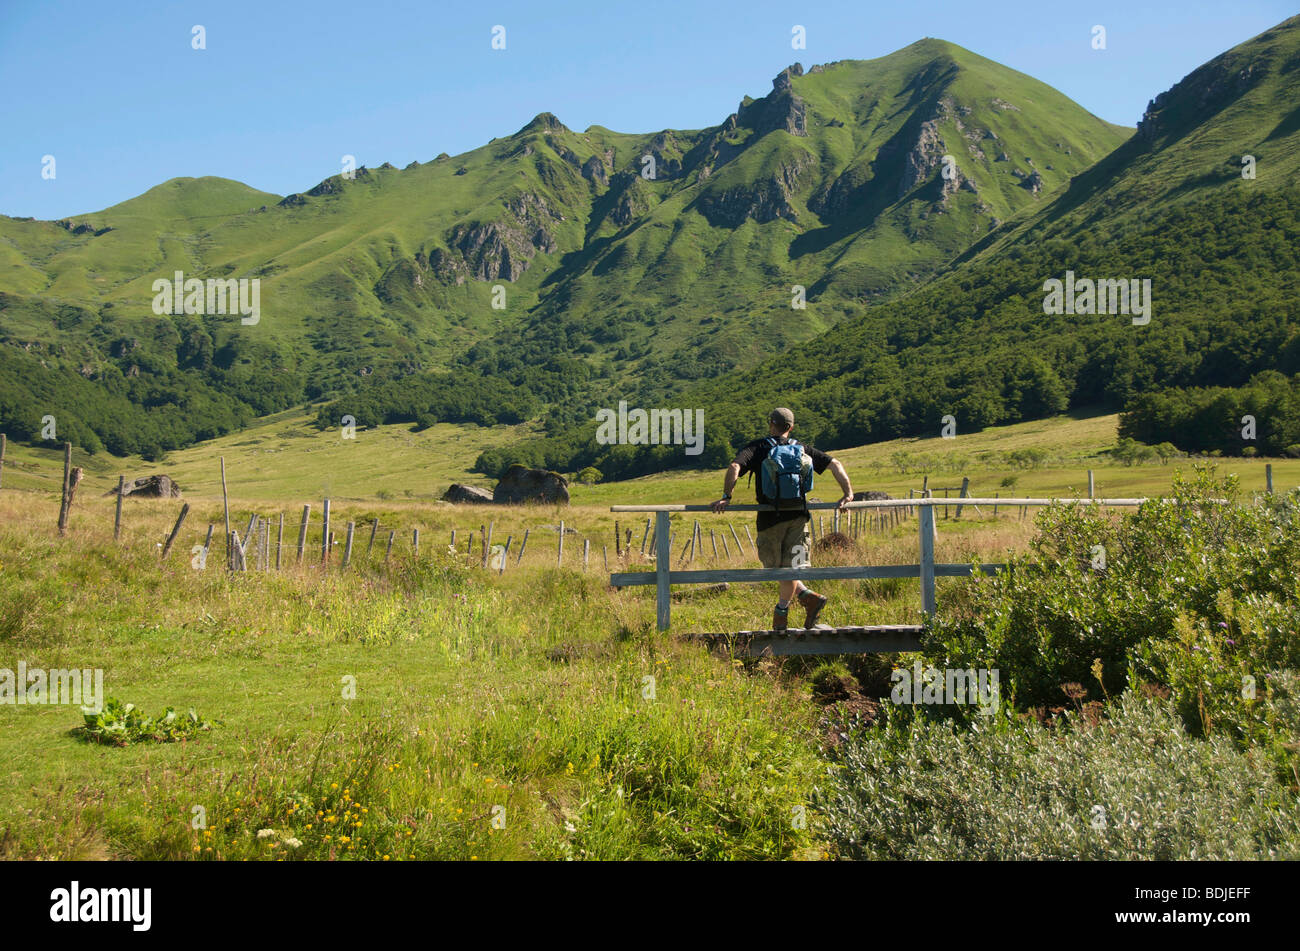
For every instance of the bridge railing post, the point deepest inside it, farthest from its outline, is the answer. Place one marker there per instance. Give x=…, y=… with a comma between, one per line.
x=926, y=530
x=663, y=560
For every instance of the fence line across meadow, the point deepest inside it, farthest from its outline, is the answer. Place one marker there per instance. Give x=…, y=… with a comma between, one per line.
x=254, y=549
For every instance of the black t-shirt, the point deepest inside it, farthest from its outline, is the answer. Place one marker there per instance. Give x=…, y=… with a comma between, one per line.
x=751, y=457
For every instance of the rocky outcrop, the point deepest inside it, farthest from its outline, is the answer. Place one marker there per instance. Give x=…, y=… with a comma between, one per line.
x=923, y=158
x=629, y=202
x=1201, y=94
x=594, y=171
x=331, y=186
x=467, y=495
x=149, y=487
x=780, y=109
x=522, y=485
x=503, y=249
x=763, y=201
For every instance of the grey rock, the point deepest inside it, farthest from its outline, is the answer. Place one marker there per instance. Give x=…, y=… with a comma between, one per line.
x=524, y=485
x=467, y=494
x=149, y=487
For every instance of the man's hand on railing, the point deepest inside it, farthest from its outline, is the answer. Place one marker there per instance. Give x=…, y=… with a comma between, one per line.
x=844, y=502
x=720, y=506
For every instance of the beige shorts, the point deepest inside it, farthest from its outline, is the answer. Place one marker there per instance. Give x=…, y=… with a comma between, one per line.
x=776, y=544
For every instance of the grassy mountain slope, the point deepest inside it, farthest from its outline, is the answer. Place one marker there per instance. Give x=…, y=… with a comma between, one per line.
x=1170, y=205
x=614, y=279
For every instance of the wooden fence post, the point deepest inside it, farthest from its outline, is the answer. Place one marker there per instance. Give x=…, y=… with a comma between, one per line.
x=751, y=541
x=302, y=532
x=117, y=515
x=645, y=535
x=415, y=543
x=1092, y=493
x=487, y=542
x=388, y=551
x=279, y=542
x=505, y=555
x=739, y=550
x=67, y=478
x=180, y=520
x=586, y=550
x=522, y=545
x=559, y=552
x=1268, y=477
x=927, y=531
x=347, y=545
x=3, y=440
x=965, y=493
x=325, y=533
x=374, y=527
x=225, y=504
x=663, y=556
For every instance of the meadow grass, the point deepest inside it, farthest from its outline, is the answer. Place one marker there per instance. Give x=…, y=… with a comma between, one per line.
x=496, y=715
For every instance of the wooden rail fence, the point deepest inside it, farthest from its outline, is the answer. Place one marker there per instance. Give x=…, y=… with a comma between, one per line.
x=663, y=577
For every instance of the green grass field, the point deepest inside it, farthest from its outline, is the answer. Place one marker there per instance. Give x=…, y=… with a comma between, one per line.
x=495, y=715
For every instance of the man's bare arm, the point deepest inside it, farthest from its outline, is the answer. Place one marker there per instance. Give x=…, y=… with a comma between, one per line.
x=842, y=477
x=729, y=479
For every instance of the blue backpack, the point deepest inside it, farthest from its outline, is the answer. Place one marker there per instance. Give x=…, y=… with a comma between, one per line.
x=786, y=474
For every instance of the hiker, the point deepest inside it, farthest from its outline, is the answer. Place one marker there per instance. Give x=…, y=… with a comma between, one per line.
x=785, y=476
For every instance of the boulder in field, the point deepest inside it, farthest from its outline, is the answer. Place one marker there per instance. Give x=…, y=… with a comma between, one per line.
x=467, y=494
x=150, y=487
x=871, y=496
x=521, y=484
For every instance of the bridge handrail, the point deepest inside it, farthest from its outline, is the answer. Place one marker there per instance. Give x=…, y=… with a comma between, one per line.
x=880, y=503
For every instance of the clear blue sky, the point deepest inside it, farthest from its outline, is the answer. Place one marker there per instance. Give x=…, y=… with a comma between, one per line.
x=114, y=91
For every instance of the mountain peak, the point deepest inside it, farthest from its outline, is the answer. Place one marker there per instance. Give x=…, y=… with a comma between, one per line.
x=544, y=122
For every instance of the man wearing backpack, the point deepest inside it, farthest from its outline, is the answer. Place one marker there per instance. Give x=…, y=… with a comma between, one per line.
x=785, y=476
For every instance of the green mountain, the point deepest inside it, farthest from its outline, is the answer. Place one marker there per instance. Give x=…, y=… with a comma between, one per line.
x=1169, y=205
x=628, y=262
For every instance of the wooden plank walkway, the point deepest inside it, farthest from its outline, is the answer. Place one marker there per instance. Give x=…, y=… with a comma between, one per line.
x=871, y=639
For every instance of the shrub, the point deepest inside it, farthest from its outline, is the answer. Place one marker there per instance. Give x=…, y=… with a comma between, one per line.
x=1197, y=592
x=1133, y=786
x=590, y=476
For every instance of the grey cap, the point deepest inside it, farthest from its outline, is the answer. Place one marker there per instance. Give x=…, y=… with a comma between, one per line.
x=782, y=417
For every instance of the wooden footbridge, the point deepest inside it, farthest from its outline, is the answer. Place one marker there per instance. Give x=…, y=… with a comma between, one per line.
x=881, y=638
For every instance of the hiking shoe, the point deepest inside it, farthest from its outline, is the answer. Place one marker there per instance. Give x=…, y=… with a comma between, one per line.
x=780, y=618
x=813, y=604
